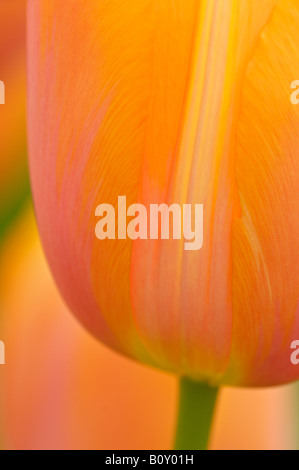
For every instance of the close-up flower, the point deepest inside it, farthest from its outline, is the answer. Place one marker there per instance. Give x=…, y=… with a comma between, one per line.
x=162, y=142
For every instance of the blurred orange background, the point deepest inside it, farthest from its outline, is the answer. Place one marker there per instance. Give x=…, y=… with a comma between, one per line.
x=61, y=389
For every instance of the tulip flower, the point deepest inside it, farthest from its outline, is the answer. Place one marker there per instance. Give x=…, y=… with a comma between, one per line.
x=14, y=187
x=173, y=103
x=60, y=388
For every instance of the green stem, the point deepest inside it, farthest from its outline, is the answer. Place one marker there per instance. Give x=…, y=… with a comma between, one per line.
x=196, y=411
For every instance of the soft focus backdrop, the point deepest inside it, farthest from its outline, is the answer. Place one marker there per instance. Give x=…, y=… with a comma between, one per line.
x=60, y=389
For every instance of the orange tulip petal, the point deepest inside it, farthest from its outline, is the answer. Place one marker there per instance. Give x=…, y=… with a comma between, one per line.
x=164, y=102
x=266, y=237
x=183, y=300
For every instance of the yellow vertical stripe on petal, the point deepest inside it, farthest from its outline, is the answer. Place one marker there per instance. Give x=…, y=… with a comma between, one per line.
x=183, y=300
